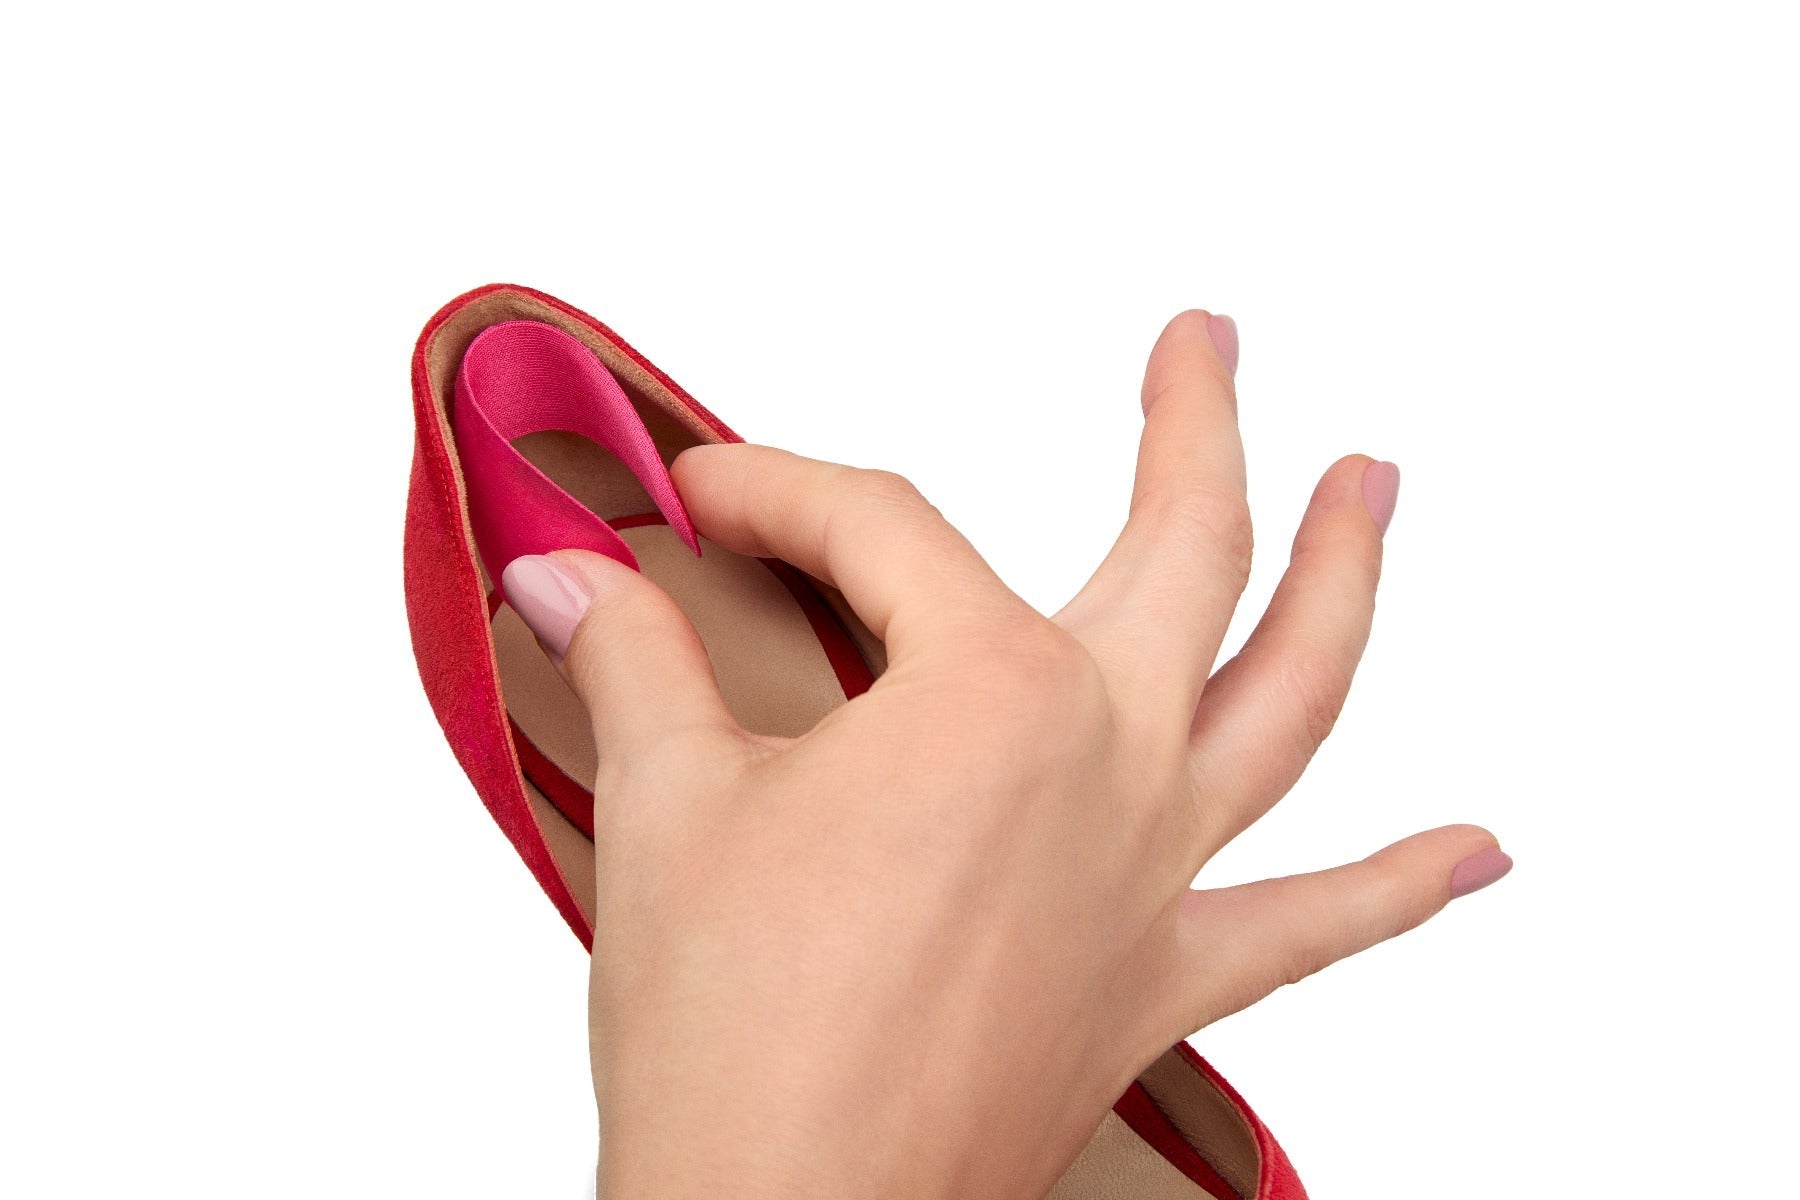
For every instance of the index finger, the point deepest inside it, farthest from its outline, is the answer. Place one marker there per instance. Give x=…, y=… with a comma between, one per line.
x=904, y=569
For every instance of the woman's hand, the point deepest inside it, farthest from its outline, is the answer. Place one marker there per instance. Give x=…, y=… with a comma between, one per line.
x=920, y=950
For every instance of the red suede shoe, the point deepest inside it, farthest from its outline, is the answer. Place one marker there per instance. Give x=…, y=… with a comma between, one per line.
x=501, y=375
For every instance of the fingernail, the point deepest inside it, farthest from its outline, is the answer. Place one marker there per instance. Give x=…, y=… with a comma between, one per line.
x=1478, y=870
x=1381, y=491
x=1223, y=332
x=549, y=599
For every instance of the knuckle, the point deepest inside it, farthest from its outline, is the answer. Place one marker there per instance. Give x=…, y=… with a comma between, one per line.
x=1350, y=569
x=869, y=504
x=1042, y=665
x=1319, y=683
x=875, y=501
x=1387, y=905
x=1299, y=964
x=888, y=489
x=1030, y=648
x=1215, y=522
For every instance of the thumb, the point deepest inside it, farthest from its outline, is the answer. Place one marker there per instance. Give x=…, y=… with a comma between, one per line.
x=1241, y=943
x=626, y=648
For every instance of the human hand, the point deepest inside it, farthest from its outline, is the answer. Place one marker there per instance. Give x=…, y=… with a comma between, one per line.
x=828, y=965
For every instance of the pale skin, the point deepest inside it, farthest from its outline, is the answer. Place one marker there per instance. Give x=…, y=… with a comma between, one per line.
x=920, y=950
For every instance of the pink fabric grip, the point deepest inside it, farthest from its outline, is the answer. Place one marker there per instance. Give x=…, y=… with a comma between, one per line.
x=521, y=377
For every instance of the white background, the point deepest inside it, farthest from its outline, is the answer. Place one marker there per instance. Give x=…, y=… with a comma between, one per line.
x=260, y=938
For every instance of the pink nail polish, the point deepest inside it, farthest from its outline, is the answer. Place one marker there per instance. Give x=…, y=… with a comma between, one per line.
x=1381, y=491
x=1478, y=870
x=1223, y=332
x=549, y=599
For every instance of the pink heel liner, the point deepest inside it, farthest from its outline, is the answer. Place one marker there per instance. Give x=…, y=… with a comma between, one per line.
x=521, y=377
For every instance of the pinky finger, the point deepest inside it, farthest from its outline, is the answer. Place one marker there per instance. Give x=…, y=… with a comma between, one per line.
x=1241, y=943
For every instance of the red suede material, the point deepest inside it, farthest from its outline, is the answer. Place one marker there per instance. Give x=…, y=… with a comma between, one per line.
x=448, y=611
x=1279, y=1180
x=1139, y=1111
